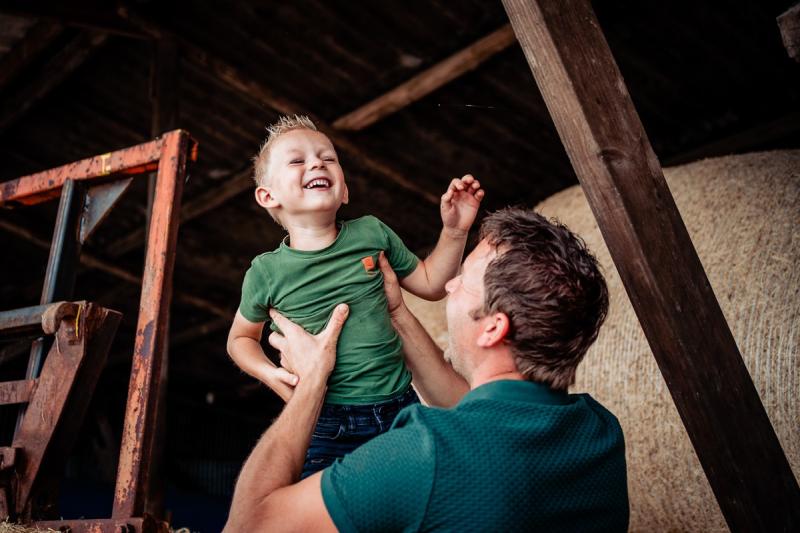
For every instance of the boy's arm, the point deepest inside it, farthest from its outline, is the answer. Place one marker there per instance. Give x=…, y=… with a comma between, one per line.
x=458, y=207
x=244, y=347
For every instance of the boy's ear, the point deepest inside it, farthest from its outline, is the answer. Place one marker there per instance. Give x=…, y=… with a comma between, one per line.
x=265, y=199
x=494, y=329
x=346, y=197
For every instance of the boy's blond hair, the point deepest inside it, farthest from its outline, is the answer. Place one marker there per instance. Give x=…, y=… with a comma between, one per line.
x=284, y=124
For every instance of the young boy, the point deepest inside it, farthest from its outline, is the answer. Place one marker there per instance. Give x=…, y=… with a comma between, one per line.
x=324, y=263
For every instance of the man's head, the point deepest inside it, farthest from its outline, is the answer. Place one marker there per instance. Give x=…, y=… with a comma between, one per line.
x=297, y=172
x=531, y=286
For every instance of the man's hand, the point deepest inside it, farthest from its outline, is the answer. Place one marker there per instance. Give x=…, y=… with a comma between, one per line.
x=267, y=495
x=391, y=285
x=460, y=203
x=281, y=380
x=305, y=354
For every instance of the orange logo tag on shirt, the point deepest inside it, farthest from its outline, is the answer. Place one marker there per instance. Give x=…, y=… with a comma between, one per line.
x=368, y=262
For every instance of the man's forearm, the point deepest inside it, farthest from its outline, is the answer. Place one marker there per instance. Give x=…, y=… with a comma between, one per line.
x=277, y=459
x=433, y=377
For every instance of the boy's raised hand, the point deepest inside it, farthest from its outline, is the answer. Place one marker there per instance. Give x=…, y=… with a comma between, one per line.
x=460, y=203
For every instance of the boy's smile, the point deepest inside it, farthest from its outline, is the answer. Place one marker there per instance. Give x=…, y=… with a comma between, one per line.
x=303, y=176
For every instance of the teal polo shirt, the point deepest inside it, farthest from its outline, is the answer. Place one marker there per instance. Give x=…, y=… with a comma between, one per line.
x=511, y=456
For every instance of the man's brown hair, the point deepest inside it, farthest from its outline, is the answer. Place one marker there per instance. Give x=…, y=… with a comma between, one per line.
x=550, y=287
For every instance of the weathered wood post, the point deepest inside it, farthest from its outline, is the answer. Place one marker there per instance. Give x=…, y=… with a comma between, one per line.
x=681, y=318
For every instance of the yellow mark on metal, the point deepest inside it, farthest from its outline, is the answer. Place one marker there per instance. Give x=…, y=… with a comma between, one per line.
x=77, y=319
x=105, y=160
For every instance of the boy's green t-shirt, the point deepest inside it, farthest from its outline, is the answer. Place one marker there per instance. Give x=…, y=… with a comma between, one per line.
x=305, y=286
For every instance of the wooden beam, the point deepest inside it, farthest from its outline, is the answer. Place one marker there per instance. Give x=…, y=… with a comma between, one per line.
x=681, y=318
x=91, y=261
x=789, y=24
x=428, y=80
x=164, y=90
x=254, y=90
x=51, y=75
x=39, y=37
x=94, y=16
x=201, y=204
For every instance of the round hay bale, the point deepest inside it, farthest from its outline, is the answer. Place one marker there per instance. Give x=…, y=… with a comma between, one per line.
x=742, y=213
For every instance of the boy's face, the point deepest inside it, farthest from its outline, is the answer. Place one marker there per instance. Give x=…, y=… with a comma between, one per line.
x=303, y=176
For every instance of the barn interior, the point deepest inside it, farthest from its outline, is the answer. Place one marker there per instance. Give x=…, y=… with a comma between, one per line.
x=707, y=79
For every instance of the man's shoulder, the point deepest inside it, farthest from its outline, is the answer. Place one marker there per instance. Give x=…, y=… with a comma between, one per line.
x=599, y=410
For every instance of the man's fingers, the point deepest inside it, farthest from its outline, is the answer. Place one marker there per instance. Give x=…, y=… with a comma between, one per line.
x=286, y=364
x=480, y=194
x=337, y=320
x=388, y=273
x=286, y=377
x=277, y=341
x=283, y=323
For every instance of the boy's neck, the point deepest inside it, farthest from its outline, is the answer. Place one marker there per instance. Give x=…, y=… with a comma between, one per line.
x=310, y=236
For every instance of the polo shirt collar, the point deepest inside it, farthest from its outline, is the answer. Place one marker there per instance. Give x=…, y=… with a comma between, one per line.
x=517, y=390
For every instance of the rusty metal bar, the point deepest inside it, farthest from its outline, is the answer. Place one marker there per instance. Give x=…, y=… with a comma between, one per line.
x=13, y=392
x=46, y=435
x=146, y=524
x=138, y=434
x=36, y=188
x=62, y=267
x=69, y=375
x=21, y=322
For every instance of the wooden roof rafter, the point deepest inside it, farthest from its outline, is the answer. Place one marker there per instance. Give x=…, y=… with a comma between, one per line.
x=428, y=80
x=52, y=74
x=20, y=56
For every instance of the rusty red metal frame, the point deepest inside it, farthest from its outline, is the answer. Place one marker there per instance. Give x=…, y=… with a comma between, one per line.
x=168, y=154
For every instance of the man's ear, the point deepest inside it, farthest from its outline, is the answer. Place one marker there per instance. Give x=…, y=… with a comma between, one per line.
x=346, y=197
x=265, y=199
x=494, y=329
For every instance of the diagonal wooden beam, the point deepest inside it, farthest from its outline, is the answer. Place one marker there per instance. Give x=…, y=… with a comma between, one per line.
x=659, y=267
x=29, y=47
x=94, y=16
x=428, y=80
x=789, y=25
x=57, y=69
x=254, y=90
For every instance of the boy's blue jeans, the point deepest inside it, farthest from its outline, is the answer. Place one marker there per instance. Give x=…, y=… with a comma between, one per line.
x=343, y=428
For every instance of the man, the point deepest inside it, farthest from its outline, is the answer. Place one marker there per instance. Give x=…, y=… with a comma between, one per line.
x=514, y=451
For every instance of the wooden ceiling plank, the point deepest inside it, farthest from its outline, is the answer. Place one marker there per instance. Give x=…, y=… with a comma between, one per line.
x=88, y=17
x=253, y=89
x=37, y=39
x=428, y=80
x=58, y=69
